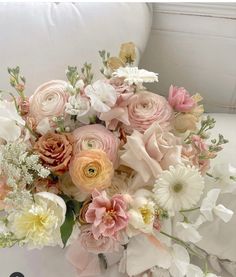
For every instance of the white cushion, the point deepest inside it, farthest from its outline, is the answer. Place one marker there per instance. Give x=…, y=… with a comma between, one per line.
x=44, y=38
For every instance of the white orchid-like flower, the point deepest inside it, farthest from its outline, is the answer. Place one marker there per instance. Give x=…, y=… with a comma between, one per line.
x=133, y=75
x=195, y=271
x=209, y=208
x=10, y=121
x=180, y=261
x=224, y=177
x=141, y=214
x=103, y=96
x=38, y=224
x=187, y=232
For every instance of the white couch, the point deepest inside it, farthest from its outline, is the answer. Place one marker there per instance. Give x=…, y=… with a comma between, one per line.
x=43, y=39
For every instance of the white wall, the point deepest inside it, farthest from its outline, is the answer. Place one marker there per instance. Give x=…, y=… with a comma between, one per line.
x=194, y=45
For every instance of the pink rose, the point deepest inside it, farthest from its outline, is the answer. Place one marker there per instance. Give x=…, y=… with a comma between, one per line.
x=49, y=100
x=95, y=136
x=151, y=152
x=96, y=246
x=107, y=216
x=180, y=99
x=146, y=108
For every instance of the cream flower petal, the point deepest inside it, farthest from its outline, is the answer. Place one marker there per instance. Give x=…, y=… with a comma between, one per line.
x=223, y=213
x=180, y=261
x=143, y=255
x=194, y=271
x=187, y=232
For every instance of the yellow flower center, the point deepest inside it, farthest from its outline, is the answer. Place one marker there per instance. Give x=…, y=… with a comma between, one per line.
x=177, y=187
x=147, y=214
x=92, y=169
x=109, y=216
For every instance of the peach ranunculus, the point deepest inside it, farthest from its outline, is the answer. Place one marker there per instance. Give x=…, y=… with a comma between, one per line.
x=49, y=100
x=91, y=169
x=95, y=136
x=151, y=152
x=100, y=245
x=180, y=99
x=55, y=151
x=146, y=108
x=107, y=216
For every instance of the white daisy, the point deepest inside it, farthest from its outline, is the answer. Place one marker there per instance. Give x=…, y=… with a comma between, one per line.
x=133, y=75
x=178, y=188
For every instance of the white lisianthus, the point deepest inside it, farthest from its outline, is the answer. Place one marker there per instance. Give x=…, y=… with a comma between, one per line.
x=10, y=121
x=133, y=75
x=142, y=212
x=38, y=224
x=209, y=208
x=178, y=188
x=224, y=177
x=103, y=96
x=187, y=232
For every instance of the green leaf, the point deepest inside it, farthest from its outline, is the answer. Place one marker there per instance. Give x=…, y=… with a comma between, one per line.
x=67, y=226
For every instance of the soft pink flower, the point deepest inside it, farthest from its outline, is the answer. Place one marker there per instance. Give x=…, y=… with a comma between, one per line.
x=24, y=106
x=118, y=113
x=146, y=108
x=107, y=216
x=198, y=142
x=96, y=246
x=95, y=136
x=180, y=99
x=49, y=100
x=151, y=152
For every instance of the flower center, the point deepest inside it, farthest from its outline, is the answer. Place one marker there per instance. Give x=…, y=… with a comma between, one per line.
x=92, y=169
x=147, y=214
x=177, y=187
x=109, y=216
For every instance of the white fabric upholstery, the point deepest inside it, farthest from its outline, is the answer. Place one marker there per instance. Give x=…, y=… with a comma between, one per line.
x=43, y=39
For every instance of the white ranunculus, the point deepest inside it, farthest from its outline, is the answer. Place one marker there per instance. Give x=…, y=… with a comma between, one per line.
x=133, y=75
x=10, y=121
x=209, y=207
x=187, y=232
x=141, y=214
x=103, y=96
x=38, y=224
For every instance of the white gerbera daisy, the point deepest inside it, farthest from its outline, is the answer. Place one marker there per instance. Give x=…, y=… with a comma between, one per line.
x=178, y=188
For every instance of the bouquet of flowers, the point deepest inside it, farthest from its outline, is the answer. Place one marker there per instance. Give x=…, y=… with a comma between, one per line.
x=115, y=172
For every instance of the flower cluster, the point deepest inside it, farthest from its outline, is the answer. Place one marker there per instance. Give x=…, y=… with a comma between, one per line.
x=114, y=161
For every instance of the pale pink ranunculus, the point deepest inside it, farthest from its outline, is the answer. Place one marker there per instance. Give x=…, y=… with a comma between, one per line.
x=49, y=100
x=180, y=99
x=96, y=246
x=145, y=108
x=95, y=136
x=107, y=216
x=151, y=152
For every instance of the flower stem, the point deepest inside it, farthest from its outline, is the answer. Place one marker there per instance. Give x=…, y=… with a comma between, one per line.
x=189, y=210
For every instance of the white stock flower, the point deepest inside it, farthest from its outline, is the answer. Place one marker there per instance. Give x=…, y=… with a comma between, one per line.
x=178, y=188
x=133, y=75
x=79, y=106
x=141, y=214
x=38, y=224
x=187, y=232
x=10, y=121
x=103, y=96
x=209, y=208
x=224, y=177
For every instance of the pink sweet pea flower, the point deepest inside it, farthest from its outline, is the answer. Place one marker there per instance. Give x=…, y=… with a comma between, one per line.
x=107, y=216
x=180, y=99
